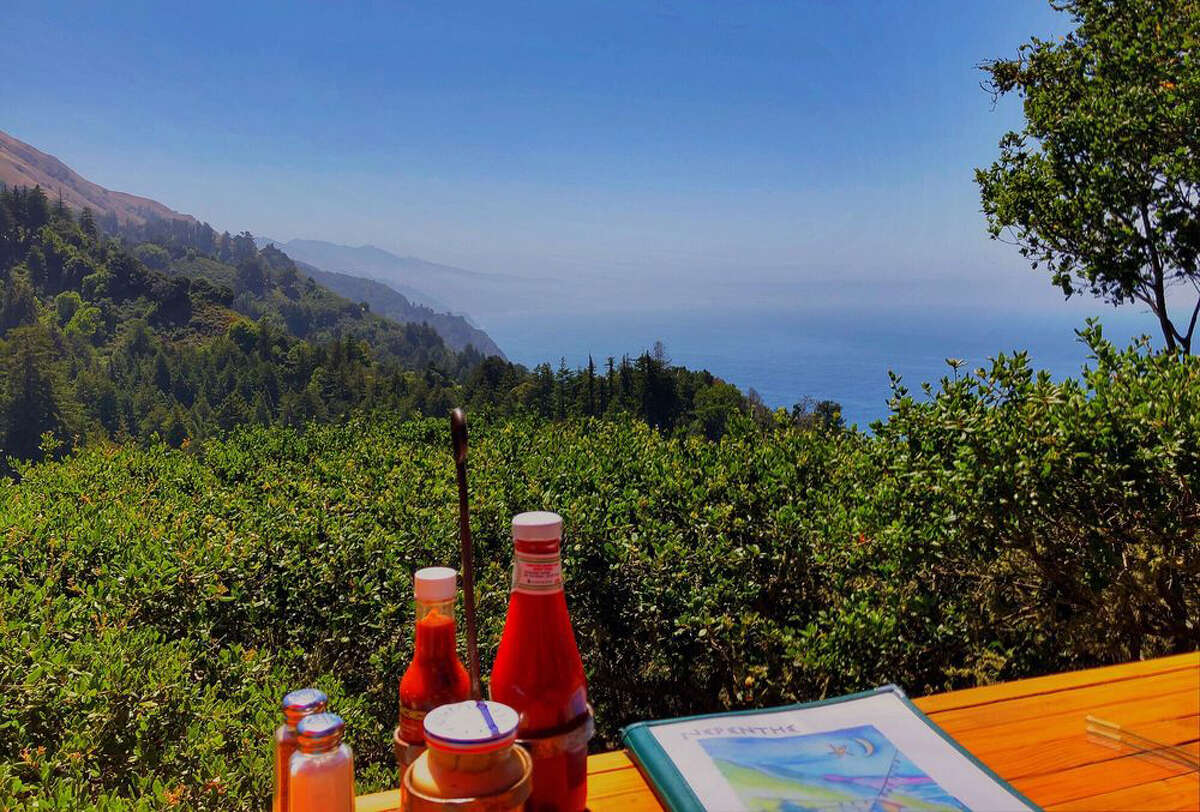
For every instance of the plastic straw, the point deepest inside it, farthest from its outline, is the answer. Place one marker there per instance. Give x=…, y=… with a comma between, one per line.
x=1106, y=732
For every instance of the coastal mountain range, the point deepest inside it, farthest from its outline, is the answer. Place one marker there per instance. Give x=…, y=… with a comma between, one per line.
x=438, y=286
x=454, y=328
x=381, y=280
x=24, y=165
x=364, y=262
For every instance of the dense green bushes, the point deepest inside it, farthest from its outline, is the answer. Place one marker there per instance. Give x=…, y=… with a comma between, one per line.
x=156, y=603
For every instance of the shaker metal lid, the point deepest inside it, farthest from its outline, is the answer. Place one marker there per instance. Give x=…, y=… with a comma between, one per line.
x=305, y=700
x=320, y=725
x=473, y=726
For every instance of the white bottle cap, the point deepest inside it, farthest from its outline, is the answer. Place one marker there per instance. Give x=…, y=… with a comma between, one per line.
x=435, y=584
x=537, y=525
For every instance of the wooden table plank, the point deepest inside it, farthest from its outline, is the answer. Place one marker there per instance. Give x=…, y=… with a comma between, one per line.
x=1045, y=751
x=1060, y=763
x=602, y=762
x=1018, y=749
x=935, y=703
x=388, y=801
x=1031, y=732
x=1076, y=783
x=1076, y=701
x=620, y=789
x=641, y=801
x=1179, y=792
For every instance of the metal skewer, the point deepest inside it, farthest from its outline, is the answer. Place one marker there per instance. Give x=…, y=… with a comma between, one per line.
x=458, y=434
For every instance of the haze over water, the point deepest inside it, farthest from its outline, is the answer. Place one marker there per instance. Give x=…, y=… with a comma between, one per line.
x=841, y=355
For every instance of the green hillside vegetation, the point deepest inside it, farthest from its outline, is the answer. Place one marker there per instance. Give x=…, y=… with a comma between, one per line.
x=456, y=331
x=104, y=337
x=158, y=602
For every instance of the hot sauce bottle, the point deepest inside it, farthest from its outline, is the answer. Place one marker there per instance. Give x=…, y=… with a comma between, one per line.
x=296, y=705
x=436, y=675
x=538, y=671
x=321, y=771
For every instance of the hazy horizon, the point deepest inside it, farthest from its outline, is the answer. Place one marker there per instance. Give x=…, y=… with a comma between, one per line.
x=671, y=155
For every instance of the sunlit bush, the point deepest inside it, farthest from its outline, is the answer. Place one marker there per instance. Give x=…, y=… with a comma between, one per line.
x=156, y=603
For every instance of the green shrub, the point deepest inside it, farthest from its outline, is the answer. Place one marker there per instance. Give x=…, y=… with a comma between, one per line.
x=156, y=603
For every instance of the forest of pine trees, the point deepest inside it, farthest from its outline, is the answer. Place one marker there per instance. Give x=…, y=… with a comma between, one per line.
x=172, y=331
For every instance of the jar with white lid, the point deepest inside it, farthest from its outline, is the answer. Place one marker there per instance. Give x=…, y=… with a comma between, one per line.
x=471, y=761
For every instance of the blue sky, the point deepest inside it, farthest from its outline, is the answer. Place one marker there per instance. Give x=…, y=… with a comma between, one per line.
x=796, y=148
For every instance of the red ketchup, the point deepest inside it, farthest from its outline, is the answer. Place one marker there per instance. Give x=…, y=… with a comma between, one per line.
x=538, y=672
x=436, y=675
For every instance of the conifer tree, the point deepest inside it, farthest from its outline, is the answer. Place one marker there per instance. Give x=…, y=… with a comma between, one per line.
x=87, y=224
x=33, y=401
x=18, y=306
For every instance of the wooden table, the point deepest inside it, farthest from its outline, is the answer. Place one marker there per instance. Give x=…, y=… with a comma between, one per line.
x=1031, y=732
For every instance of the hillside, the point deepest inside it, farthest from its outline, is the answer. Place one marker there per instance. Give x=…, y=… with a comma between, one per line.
x=457, y=332
x=186, y=334
x=100, y=339
x=23, y=165
x=140, y=219
x=366, y=262
x=428, y=283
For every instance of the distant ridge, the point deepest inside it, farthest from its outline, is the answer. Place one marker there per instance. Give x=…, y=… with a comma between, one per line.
x=455, y=329
x=424, y=282
x=373, y=258
x=345, y=260
x=412, y=276
x=23, y=165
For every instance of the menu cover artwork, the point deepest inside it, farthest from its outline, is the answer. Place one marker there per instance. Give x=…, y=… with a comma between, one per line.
x=872, y=752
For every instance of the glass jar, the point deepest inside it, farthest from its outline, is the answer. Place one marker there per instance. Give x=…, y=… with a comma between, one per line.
x=470, y=762
x=321, y=771
x=296, y=705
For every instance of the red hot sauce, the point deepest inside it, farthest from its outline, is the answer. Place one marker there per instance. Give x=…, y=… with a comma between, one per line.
x=436, y=675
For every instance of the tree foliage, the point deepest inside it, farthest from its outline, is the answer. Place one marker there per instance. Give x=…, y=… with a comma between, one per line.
x=1102, y=186
x=158, y=602
x=159, y=339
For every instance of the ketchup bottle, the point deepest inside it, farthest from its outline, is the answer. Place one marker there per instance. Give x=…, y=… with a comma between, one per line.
x=538, y=672
x=436, y=675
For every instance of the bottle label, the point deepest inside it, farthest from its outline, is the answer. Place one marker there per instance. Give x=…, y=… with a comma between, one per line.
x=537, y=573
x=412, y=725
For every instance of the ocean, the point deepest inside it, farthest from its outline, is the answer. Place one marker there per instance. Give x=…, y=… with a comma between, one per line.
x=787, y=355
